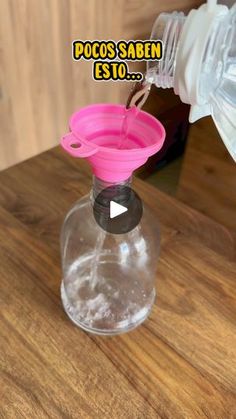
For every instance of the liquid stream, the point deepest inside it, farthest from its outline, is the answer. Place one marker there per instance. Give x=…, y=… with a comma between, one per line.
x=139, y=94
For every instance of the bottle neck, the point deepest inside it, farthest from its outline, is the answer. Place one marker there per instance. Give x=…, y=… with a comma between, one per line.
x=99, y=185
x=168, y=28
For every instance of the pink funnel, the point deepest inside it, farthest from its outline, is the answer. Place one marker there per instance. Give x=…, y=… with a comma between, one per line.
x=97, y=133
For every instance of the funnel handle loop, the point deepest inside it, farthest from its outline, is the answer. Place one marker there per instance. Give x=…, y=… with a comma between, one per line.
x=76, y=147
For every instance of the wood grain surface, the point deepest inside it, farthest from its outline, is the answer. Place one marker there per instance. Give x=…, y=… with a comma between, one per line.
x=40, y=84
x=181, y=363
x=208, y=174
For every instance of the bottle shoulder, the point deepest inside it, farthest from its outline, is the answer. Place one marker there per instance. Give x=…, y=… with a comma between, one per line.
x=80, y=226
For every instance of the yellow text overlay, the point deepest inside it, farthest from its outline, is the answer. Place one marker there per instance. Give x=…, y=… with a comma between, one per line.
x=109, y=56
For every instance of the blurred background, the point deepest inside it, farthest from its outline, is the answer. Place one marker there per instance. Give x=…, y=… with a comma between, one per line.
x=41, y=86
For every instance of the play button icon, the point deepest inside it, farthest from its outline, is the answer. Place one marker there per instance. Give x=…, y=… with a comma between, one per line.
x=118, y=209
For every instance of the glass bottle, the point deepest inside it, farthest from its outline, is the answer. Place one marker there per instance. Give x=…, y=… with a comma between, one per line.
x=109, y=279
x=108, y=284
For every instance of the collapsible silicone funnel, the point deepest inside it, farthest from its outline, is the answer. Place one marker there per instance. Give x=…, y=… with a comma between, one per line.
x=97, y=133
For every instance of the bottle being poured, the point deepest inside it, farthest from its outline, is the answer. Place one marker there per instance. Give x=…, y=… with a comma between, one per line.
x=200, y=64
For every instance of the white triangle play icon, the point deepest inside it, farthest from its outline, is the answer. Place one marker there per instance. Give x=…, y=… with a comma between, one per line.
x=116, y=209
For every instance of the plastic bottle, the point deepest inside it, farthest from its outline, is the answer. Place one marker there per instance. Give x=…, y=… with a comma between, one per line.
x=199, y=62
x=108, y=284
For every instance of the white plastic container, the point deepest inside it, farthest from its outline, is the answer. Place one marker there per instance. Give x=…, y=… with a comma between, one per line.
x=199, y=62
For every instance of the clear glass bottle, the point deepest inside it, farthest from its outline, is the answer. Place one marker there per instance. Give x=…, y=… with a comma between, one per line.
x=109, y=279
x=109, y=269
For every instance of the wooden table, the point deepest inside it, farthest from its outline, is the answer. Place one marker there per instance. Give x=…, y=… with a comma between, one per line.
x=208, y=174
x=181, y=363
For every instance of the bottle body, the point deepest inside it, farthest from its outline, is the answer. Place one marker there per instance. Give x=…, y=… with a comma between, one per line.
x=108, y=284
